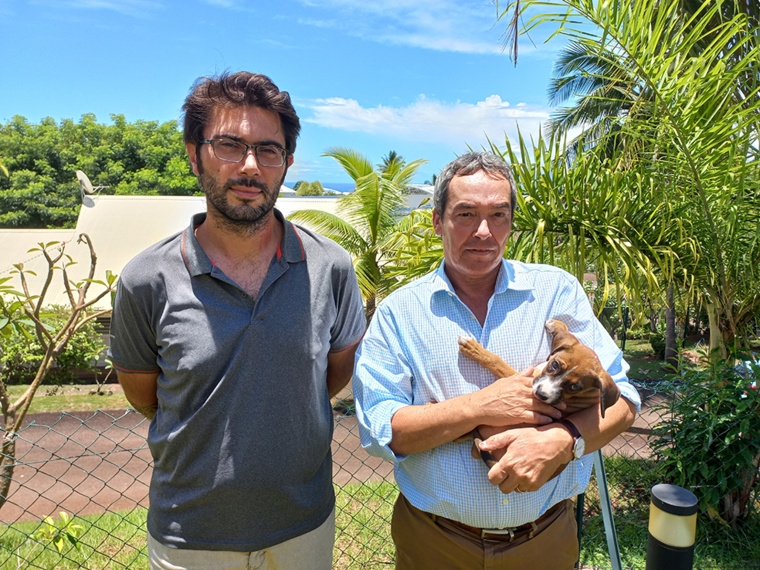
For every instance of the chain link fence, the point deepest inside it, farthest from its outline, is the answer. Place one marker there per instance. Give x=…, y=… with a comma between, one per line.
x=95, y=468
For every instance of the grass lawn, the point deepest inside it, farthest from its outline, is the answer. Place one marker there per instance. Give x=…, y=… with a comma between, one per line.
x=645, y=366
x=629, y=481
x=73, y=398
x=363, y=531
x=110, y=540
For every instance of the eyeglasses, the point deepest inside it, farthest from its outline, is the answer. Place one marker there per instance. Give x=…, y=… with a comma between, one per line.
x=235, y=151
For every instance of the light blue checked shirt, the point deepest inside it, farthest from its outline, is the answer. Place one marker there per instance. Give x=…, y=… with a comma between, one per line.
x=410, y=356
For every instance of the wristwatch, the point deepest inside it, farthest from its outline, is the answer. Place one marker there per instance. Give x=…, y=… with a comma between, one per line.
x=579, y=446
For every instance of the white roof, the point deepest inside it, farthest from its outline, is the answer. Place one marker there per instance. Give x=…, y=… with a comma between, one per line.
x=119, y=228
x=17, y=243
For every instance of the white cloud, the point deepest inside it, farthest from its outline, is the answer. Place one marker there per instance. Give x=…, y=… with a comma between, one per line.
x=441, y=25
x=430, y=121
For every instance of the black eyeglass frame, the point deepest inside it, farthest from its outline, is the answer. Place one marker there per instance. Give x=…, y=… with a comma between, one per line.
x=254, y=147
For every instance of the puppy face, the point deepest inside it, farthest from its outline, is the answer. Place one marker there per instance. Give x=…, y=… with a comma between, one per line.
x=573, y=374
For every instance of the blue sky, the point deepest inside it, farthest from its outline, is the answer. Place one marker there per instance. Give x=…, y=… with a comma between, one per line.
x=425, y=78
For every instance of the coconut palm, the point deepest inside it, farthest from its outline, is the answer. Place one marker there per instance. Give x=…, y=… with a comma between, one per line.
x=604, y=90
x=366, y=219
x=695, y=131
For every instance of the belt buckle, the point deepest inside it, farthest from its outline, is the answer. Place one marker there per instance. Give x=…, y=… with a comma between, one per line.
x=510, y=531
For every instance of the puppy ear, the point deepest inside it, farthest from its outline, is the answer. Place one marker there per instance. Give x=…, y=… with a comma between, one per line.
x=608, y=391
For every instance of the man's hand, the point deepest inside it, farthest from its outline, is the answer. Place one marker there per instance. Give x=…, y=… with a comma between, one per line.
x=510, y=401
x=532, y=456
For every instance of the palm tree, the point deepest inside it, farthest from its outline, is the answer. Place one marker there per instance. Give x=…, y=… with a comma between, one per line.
x=391, y=162
x=366, y=219
x=602, y=93
x=693, y=66
x=604, y=88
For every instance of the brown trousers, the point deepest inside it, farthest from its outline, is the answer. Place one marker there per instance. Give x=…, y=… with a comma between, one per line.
x=425, y=542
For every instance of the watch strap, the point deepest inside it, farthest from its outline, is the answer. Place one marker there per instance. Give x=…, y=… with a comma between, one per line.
x=571, y=427
x=579, y=445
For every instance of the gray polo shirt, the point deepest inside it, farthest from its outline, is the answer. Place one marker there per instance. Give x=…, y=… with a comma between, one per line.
x=241, y=440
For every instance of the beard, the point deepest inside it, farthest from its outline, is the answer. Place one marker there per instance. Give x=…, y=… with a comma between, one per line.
x=243, y=217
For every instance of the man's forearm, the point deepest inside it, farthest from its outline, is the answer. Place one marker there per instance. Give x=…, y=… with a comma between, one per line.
x=340, y=366
x=140, y=391
x=508, y=401
x=420, y=428
x=148, y=411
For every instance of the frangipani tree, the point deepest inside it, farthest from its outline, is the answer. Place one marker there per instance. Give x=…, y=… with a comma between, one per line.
x=21, y=309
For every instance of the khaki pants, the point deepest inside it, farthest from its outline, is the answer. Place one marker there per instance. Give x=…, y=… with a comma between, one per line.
x=311, y=551
x=424, y=542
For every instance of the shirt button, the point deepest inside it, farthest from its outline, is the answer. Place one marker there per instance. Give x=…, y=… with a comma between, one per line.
x=505, y=501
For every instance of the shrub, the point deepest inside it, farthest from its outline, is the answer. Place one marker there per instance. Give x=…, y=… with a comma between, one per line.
x=20, y=355
x=709, y=437
x=657, y=340
x=310, y=189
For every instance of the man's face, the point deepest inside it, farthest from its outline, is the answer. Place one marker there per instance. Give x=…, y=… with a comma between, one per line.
x=244, y=192
x=475, y=226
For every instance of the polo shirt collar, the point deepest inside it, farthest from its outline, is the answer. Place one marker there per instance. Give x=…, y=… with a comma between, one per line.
x=290, y=249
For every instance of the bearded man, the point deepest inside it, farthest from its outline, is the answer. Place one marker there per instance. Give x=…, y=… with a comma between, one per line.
x=231, y=337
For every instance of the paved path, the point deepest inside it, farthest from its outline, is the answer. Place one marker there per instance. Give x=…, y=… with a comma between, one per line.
x=79, y=462
x=91, y=462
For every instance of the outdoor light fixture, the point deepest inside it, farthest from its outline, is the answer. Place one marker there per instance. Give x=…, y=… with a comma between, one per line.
x=672, y=528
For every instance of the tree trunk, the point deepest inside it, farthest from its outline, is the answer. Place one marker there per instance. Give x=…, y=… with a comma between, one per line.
x=652, y=319
x=735, y=504
x=671, y=355
x=370, y=306
x=7, y=463
x=716, y=334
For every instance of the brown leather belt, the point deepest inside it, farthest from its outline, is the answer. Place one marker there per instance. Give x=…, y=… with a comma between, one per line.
x=508, y=533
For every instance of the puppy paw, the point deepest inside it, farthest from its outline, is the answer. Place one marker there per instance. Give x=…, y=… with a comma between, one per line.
x=553, y=326
x=469, y=347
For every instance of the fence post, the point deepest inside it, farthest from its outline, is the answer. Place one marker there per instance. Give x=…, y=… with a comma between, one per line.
x=606, y=506
x=672, y=528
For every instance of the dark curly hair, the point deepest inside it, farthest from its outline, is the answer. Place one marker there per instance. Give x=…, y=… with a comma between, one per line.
x=238, y=89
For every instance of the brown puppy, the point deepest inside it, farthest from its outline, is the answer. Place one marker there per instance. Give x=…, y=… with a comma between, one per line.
x=572, y=374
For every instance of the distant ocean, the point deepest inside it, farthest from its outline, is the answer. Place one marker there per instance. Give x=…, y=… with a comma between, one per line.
x=337, y=186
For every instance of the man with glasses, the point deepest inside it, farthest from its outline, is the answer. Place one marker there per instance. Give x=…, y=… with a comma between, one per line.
x=231, y=337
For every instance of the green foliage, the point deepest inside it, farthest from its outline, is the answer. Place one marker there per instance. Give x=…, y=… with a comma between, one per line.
x=708, y=438
x=591, y=211
x=417, y=250
x=21, y=353
x=305, y=188
x=657, y=340
x=59, y=532
x=145, y=157
x=366, y=221
x=109, y=540
x=682, y=78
